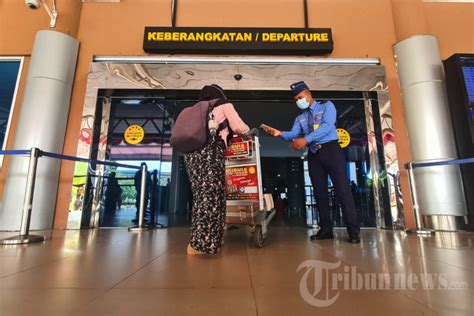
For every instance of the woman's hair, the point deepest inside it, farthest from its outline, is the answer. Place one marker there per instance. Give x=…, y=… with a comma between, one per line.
x=211, y=92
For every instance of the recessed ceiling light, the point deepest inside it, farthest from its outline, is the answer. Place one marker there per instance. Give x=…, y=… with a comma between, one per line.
x=131, y=102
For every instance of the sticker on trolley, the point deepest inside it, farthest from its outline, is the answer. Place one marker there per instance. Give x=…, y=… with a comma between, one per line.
x=242, y=183
x=232, y=189
x=250, y=190
x=344, y=137
x=240, y=149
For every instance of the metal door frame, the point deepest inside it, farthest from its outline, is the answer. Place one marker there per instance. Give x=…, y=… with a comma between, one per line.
x=191, y=73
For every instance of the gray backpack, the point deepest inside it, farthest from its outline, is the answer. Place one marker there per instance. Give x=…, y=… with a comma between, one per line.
x=190, y=131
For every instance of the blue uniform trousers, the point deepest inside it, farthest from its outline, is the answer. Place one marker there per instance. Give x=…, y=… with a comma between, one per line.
x=330, y=160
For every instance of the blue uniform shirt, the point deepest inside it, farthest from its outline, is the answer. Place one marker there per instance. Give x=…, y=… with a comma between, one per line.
x=317, y=125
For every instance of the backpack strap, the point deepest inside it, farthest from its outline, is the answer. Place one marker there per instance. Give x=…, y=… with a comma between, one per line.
x=212, y=105
x=225, y=124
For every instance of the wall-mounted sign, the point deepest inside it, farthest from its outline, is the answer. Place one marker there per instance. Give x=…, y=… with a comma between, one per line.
x=206, y=40
x=134, y=134
x=344, y=137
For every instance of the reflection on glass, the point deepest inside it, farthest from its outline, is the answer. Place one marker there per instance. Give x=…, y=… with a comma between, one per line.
x=116, y=193
x=9, y=73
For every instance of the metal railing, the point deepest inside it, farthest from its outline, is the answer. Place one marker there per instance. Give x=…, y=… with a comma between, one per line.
x=410, y=167
x=24, y=236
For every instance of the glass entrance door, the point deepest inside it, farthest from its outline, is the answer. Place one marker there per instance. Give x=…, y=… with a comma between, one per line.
x=170, y=196
x=118, y=187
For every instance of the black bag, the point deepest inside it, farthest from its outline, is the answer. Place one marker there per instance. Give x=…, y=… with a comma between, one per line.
x=191, y=130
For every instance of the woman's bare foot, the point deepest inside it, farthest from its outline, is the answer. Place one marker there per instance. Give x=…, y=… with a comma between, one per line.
x=192, y=251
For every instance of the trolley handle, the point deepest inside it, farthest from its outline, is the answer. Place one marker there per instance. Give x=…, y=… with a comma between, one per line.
x=253, y=132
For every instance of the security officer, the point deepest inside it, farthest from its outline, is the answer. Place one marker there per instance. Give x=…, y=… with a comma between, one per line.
x=316, y=129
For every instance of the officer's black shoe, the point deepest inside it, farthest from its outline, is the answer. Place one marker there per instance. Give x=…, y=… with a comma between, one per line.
x=354, y=239
x=322, y=236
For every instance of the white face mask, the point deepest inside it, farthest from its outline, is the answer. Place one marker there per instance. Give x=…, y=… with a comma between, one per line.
x=303, y=104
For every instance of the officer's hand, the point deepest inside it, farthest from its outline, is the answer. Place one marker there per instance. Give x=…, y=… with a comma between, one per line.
x=273, y=132
x=270, y=130
x=299, y=143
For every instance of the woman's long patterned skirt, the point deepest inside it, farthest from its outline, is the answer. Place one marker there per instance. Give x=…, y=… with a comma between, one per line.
x=206, y=171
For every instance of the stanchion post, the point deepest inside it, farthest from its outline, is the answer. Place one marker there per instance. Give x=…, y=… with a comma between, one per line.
x=155, y=210
x=142, y=206
x=419, y=230
x=153, y=206
x=143, y=189
x=25, y=237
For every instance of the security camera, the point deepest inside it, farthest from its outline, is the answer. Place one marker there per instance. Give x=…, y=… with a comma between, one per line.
x=33, y=4
x=52, y=13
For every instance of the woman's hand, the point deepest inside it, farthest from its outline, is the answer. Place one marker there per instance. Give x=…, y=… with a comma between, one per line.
x=253, y=131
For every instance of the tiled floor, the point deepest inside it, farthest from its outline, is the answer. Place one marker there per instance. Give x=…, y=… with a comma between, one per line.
x=114, y=272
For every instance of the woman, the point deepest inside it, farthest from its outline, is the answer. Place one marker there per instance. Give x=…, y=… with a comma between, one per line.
x=206, y=170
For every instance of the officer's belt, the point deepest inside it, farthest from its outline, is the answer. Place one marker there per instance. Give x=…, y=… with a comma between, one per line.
x=321, y=146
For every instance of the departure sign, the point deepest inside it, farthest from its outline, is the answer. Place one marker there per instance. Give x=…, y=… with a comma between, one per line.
x=301, y=41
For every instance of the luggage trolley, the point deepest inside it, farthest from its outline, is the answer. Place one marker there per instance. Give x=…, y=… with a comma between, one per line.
x=246, y=203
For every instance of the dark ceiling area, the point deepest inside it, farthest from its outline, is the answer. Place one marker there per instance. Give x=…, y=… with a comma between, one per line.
x=192, y=95
x=156, y=111
x=275, y=108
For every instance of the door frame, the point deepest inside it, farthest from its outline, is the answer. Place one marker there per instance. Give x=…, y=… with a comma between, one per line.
x=191, y=73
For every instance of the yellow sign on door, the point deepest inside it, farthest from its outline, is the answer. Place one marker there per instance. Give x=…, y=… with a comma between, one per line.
x=134, y=134
x=344, y=137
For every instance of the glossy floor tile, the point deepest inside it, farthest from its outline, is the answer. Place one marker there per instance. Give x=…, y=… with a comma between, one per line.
x=114, y=272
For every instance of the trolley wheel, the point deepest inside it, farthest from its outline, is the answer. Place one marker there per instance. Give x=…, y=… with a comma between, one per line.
x=258, y=240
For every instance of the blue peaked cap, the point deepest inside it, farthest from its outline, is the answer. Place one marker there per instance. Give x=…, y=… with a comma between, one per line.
x=297, y=87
